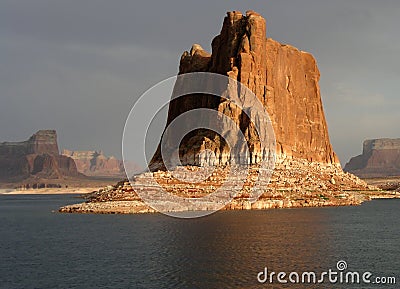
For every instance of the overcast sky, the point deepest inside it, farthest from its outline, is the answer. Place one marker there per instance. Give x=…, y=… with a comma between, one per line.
x=77, y=66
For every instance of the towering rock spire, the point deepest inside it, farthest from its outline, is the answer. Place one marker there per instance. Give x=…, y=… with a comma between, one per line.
x=283, y=78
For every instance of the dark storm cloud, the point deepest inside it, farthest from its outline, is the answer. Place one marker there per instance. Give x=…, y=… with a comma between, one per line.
x=77, y=66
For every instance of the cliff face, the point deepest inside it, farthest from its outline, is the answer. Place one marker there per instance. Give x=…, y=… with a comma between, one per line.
x=380, y=158
x=292, y=97
x=44, y=141
x=95, y=163
x=38, y=157
x=283, y=78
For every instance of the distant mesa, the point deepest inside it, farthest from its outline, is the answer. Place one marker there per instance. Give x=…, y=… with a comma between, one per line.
x=37, y=157
x=96, y=164
x=380, y=158
x=37, y=163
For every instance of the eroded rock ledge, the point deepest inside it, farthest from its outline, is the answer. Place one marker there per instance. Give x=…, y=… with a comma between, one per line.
x=305, y=184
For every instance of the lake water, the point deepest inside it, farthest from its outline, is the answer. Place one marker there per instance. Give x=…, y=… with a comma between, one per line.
x=40, y=248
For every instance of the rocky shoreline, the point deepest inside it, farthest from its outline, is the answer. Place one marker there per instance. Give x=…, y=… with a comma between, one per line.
x=294, y=183
x=138, y=207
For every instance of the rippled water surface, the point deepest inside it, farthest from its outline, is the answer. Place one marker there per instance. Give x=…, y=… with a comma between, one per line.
x=40, y=248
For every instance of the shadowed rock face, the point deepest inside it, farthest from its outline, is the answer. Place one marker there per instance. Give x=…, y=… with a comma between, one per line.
x=44, y=141
x=38, y=156
x=380, y=158
x=283, y=78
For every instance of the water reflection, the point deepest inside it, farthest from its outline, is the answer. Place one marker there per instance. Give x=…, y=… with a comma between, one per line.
x=228, y=249
x=41, y=249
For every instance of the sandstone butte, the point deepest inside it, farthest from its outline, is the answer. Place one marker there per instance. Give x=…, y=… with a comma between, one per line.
x=380, y=158
x=286, y=81
x=37, y=158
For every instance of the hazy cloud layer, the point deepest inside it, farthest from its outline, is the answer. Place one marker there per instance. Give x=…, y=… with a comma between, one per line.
x=77, y=66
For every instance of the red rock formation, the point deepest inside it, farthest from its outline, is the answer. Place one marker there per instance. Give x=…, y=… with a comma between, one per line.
x=284, y=79
x=43, y=142
x=294, y=103
x=38, y=156
x=95, y=163
x=380, y=158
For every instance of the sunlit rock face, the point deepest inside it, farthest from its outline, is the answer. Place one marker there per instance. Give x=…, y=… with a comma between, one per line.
x=283, y=78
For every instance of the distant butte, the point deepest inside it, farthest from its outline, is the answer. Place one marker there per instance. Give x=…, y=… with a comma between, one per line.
x=96, y=164
x=37, y=158
x=380, y=158
x=37, y=164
